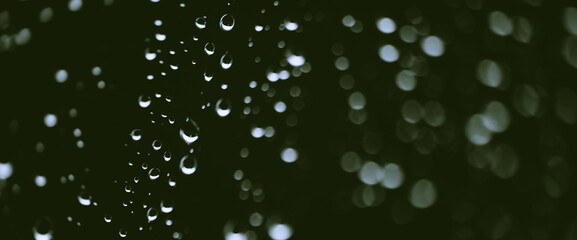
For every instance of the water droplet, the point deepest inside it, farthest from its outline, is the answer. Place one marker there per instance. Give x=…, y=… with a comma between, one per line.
x=209, y=48
x=5, y=170
x=423, y=194
x=122, y=232
x=280, y=107
x=167, y=156
x=200, y=22
x=256, y=219
x=357, y=101
x=389, y=53
x=188, y=164
x=570, y=20
x=160, y=37
x=386, y=25
x=50, y=120
x=74, y=5
x=61, y=75
x=144, y=101
x=496, y=117
x=84, y=198
x=291, y=26
x=166, y=206
x=40, y=181
x=393, y=176
x=341, y=63
x=189, y=131
x=476, y=131
x=154, y=173
x=227, y=22
x=152, y=214
x=223, y=107
x=406, y=80
x=412, y=111
x=371, y=173
x=500, y=23
x=107, y=218
x=289, y=155
x=156, y=145
x=348, y=21
x=226, y=61
x=434, y=114
x=280, y=231
x=46, y=14
x=296, y=61
x=433, y=46
x=43, y=229
x=490, y=73
x=136, y=134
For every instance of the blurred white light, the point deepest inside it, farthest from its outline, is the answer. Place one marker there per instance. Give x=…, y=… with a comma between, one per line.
x=389, y=53
x=50, y=120
x=500, y=24
x=357, y=101
x=61, y=75
x=386, y=25
x=296, y=61
x=393, y=176
x=5, y=170
x=289, y=155
x=348, y=21
x=423, y=194
x=371, y=173
x=280, y=232
x=40, y=181
x=433, y=46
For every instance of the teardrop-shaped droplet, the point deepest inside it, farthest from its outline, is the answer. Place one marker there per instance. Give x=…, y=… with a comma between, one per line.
x=209, y=48
x=152, y=214
x=188, y=164
x=226, y=61
x=144, y=101
x=200, y=22
x=223, y=107
x=227, y=22
x=189, y=131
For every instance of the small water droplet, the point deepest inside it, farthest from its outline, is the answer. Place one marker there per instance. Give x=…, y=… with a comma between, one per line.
x=84, y=198
x=227, y=22
x=167, y=156
x=166, y=206
x=188, y=164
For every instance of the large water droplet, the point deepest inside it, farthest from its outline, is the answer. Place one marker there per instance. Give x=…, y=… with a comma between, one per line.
x=166, y=206
x=188, y=164
x=227, y=22
x=189, y=131
x=223, y=107
x=289, y=155
x=200, y=22
x=226, y=61
x=50, y=120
